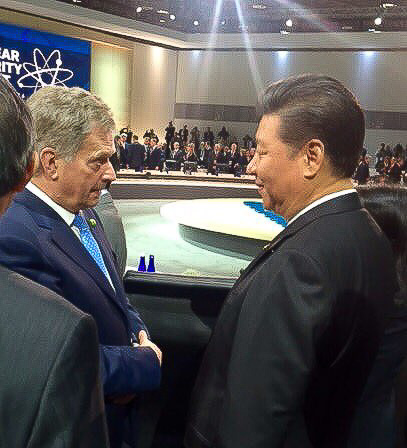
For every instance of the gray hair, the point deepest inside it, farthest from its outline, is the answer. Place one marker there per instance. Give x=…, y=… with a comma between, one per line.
x=16, y=151
x=63, y=118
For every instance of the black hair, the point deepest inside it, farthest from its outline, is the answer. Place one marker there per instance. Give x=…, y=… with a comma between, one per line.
x=318, y=106
x=16, y=127
x=388, y=207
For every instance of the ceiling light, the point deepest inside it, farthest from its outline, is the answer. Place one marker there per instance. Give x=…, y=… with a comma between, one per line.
x=139, y=9
x=284, y=32
x=259, y=6
x=347, y=28
x=162, y=21
x=172, y=17
x=77, y=1
x=289, y=23
x=378, y=21
x=162, y=11
x=196, y=23
x=373, y=30
x=388, y=5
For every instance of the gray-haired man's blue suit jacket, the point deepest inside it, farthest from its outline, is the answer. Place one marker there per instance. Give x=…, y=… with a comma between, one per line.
x=37, y=243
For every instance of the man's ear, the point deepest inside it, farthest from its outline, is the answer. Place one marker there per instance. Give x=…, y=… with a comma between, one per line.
x=27, y=176
x=313, y=157
x=48, y=163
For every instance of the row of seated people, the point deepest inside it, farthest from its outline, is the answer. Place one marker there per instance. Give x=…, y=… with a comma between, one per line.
x=391, y=163
x=154, y=156
x=388, y=151
x=391, y=170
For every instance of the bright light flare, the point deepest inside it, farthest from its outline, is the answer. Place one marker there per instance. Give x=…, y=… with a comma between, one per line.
x=258, y=83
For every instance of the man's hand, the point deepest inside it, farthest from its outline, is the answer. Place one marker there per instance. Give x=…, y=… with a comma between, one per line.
x=145, y=342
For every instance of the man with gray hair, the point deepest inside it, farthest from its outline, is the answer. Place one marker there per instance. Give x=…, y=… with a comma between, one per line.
x=50, y=391
x=52, y=235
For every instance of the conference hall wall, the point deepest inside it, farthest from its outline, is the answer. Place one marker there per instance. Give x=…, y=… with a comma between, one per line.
x=146, y=86
x=137, y=81
x=211, y=86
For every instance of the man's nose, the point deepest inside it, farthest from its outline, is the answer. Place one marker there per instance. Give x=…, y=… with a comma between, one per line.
x=109, y=175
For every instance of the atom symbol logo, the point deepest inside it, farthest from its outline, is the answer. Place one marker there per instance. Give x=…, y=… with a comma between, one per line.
x=41, y=74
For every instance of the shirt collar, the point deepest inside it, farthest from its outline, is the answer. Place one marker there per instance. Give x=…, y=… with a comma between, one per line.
x=319, y=201
x=66, y=215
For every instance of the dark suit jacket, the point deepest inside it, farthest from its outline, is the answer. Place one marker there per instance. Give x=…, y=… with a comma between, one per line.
x=297, y=335
x=191, y=158
x=37, y=243
x=395, y=173
x=362, y=173
x=136, y=155
x=50, y=391
x=234, y=157
x=155, y=158
x=221, y=157
x=114, y=230
x=178, y=156
x=374, y=423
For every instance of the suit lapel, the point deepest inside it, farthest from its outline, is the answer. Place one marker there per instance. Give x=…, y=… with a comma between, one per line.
x=340, y=204
x=69, y=243
x=100, y=238
x=63, y=237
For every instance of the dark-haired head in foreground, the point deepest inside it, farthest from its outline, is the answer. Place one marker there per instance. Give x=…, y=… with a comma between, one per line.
x=375, y=423
x=388, y=206
x=309, y=140
x=16, y=153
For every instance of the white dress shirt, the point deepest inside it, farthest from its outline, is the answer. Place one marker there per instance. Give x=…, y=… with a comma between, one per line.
x=319, y=201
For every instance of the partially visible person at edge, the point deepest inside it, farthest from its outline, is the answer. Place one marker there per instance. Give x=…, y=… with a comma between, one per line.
x=374, y=425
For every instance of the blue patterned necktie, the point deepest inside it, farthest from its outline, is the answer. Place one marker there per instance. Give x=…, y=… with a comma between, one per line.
x=88, y=240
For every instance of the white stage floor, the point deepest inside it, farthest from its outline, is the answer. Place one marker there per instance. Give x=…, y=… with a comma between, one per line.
x=148, y=232
x=225, y=216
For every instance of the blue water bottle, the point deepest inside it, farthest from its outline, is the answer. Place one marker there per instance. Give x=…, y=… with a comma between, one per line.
x=151, y=267
x=142, y=264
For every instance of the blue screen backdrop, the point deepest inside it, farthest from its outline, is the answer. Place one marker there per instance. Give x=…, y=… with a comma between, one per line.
x=32, y=59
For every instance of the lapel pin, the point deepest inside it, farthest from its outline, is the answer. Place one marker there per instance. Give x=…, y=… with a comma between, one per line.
x=92, y=223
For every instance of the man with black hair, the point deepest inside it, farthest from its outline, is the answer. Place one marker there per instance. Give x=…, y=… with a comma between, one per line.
x=169, y=134
x=136, y=155
x=50, y=391
x=299, y=331
x=209, y=137
x=155, y=162
x=362, y=171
